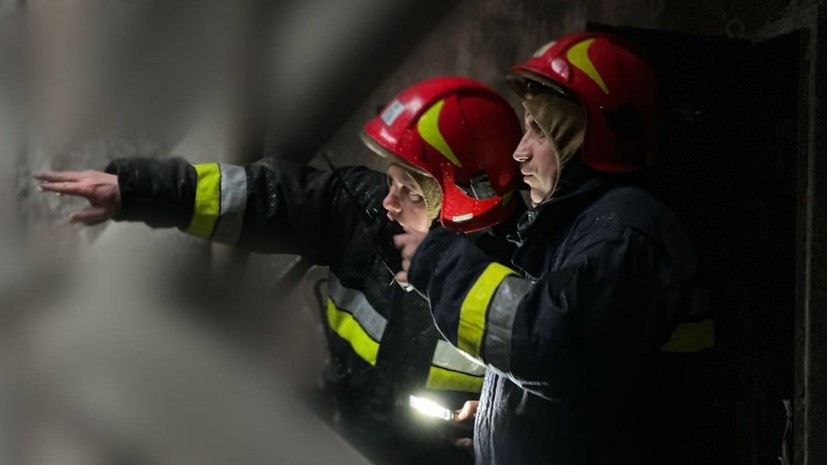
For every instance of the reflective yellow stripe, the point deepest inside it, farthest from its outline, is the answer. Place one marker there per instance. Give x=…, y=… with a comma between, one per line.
x=472, y=314
x=691, y=337
x=442, y=379
x=350, y=330
x=428, y=128
x=578, y=56
x=207, y=200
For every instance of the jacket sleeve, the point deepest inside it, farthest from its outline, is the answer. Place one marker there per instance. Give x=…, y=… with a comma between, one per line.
x=268, y=206
x=586, y=323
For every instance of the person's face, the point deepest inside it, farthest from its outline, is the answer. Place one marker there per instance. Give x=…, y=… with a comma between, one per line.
x=538, y=164
x=403, y=203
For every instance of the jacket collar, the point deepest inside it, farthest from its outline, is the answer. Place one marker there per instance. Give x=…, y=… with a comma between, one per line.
x=544, y=224
x=578, y=186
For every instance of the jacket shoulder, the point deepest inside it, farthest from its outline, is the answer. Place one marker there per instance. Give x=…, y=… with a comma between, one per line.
x=635, y=208
x=364, y=184
x=638, y=211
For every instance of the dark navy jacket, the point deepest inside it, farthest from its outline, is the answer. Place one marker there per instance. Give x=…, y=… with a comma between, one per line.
x=603, y=287
x=383, y=343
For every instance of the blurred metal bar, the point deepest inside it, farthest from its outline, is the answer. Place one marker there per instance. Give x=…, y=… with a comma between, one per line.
x=330, y=54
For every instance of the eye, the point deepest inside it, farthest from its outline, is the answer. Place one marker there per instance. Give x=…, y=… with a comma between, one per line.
x=535, y=128
x=412, y=196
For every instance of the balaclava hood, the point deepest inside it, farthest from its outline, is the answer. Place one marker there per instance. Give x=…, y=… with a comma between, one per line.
x=430, y=192
x=563, y=122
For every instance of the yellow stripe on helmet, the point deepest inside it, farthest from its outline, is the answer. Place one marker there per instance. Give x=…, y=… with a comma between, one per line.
x=428, y=127
x=578, y=56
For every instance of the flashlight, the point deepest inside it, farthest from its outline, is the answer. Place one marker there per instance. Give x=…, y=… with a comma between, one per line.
x=430, y=408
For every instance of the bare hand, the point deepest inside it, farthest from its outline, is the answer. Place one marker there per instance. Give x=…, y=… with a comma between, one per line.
x=407, y=244
x=99, y=188
x=469, y=410
x=466, y=444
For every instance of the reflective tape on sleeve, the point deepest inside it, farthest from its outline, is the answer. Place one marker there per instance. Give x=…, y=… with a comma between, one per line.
x=207, y=200
x=440, y=379
x=453, y=370
x=354, y=319
x=348, y=328
x=448, y=356
x=472, y=318
x=690, y=337
x=233, y=204
x=501, y=321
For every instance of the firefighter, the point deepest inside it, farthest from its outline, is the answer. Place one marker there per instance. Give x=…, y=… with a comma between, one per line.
x=450, y=135
x=604, y=286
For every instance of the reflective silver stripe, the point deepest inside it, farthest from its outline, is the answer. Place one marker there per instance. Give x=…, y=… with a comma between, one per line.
x=449, y=357
x=355, y=303
x=497, y=348
x=233, y=203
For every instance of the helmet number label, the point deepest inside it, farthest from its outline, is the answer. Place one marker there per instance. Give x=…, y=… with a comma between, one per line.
x=393, y=110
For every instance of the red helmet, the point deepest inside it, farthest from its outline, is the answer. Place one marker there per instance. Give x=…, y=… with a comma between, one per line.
x=463, y=134
x=620, y=91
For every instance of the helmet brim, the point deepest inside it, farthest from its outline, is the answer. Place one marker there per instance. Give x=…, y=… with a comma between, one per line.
x=526, y=82
x=391, y=157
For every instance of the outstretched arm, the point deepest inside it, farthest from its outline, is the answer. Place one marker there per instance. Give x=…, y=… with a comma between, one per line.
x=267, y=206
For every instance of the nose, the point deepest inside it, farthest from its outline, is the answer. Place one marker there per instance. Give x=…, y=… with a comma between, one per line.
x=523, y=151
x=391, y=201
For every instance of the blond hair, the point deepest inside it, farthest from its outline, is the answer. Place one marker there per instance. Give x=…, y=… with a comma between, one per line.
x=426, y=187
